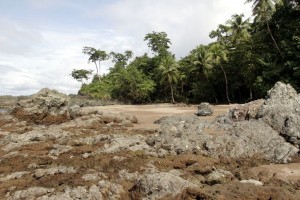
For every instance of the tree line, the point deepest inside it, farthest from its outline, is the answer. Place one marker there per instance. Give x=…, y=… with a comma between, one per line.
x=243, y=62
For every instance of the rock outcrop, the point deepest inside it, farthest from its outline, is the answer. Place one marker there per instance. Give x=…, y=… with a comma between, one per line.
x=204, y=109
x=46, y=107
x=281, y=111
x=267, y=128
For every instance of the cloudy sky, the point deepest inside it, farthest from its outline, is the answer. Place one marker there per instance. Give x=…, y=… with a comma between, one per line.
x=41, y=41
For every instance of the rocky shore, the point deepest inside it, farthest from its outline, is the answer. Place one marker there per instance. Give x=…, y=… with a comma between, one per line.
x=53, y=148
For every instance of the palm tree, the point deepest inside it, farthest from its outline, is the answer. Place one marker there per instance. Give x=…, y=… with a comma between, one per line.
x=218, y=54
x=202, y=64
x=96, y=55
x=263, y=10
x=239, y=28
x=169, y=73
x=202, y=60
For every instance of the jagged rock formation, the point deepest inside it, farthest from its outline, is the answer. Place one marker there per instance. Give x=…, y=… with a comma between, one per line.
x=255, y=128
x=45, y=107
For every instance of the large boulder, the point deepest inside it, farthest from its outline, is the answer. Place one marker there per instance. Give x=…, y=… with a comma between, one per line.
x=46, y=107
x=251, y=138
x=204, y=109
x=281, y=111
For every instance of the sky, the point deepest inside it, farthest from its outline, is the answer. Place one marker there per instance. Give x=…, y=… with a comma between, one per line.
x=41, y=41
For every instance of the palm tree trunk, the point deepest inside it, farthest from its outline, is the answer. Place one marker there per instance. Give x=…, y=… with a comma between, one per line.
x=275, y=43
x=226, y=84
x=172, y=93
x=211, y=88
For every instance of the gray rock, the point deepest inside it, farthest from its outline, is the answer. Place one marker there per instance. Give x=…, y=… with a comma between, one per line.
x=281, y=111
x=15, y=175
x=80, y=192
x=110, y=189
x=204, y=109
x=219, y=176
x=30, y=193
x=251, y=181
x=157, y=185
x=59, y=149
x=39, y=134
x=39, y=173
x=242, y=139
x=45, y=107
x=245, y=111
x=249, y=138
x=102, y=116
x=120, y=143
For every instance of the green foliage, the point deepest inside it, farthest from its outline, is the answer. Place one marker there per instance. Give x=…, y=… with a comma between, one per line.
x=96, y=55
x=242, y=64
x=158, y=42
x=80, y=74
x=131, y=85
x=126, y=85
x=169, y=72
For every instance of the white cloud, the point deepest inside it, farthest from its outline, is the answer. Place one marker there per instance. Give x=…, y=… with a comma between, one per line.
x=187, y=23
x=35, y=55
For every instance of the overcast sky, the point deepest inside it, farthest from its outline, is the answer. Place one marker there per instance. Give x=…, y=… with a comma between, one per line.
x=41, y=41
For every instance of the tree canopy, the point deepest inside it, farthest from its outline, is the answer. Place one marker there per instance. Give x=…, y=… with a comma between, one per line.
x=243, y=62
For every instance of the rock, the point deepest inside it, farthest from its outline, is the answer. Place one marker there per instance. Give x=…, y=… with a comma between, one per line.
x=204, y=109
x=80, y=192
x=59, y=149
x=15, y=175
x=219, y=176
x=96, y=115
x=249, y=138
x=281, y=111
x=30, y=193
x=243, y=139
x=39, y=173
x=13, y=141
x=46, y=107
x=111, y=190
x=157, y=185
x=121, y=143
x=245, y=111
x=251, y=181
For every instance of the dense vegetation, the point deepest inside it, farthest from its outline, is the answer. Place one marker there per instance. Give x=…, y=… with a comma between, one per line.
x=245, y=60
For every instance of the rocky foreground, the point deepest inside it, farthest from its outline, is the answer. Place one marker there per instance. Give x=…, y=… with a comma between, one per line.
x=52, y=149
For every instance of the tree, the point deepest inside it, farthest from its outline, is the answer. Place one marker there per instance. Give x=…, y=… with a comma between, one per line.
x=80, y=74
x=218, y=54
x=96, y=55
x=131, y=85
x=263, y=10
x=120, y=59
x=202, y=60
x=239, y=28
x=158, y=42
x=169, y=73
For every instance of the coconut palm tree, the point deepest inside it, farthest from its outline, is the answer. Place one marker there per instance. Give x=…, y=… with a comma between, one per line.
x=218, y=55
x=169, y=73
x=239, y=28
x=263, y=10
x=202, y=60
